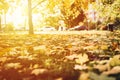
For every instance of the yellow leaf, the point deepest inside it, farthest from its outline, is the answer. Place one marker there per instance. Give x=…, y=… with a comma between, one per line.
x=84, y=76
x=82, y=58
x=115, y=61
x=104, y=47
x=36, y=66
x=38, y=71
x=40, y=49
x=13, y=65
x=72, y=57
x=59, y=78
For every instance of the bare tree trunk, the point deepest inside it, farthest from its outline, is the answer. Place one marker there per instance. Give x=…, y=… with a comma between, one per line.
x=30, y=18
x=5, y=25
x=0, y=23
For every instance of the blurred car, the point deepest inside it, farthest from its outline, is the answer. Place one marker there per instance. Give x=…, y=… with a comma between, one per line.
x=78, y=28
x=47, y=29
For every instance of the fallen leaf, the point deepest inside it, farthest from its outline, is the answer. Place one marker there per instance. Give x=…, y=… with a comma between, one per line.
x=84, y=76
x=115, y=61
x=72, y=57
x=59, y=78
x=114, y=70
x=80, y=67
x=82, y=58
x=3, y=59
x=13, y=65
x=102, y=67
x=38, y=71
x=94, y=76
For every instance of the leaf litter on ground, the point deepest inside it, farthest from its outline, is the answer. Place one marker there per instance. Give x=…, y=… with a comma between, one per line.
x=61, y=56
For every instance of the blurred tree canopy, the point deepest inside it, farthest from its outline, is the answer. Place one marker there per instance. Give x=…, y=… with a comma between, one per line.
x=108, y=10
x=3, y=10
x=71, y=12
x=4, y=5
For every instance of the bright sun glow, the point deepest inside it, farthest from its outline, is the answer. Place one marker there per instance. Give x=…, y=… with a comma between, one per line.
x=16, y=18
x=17, y=14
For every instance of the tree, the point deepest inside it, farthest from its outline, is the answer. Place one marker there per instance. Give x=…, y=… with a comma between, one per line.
x=3, y=7
x=53, y=11
x=30, y=9
x=107, y=9
x=71, y=11
x=30, y=18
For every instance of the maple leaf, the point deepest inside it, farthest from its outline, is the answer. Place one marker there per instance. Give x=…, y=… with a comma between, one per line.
x=82, y=58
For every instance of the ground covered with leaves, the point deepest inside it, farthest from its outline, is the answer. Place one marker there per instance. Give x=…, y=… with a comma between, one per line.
x=88, y=56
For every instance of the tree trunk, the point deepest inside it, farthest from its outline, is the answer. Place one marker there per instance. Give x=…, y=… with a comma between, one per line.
x=0, y=24
x=5, y=25
x=30, y=18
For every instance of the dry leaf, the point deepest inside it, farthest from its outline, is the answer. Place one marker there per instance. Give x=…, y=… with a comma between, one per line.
x=59, y=78
x=114, y=70
x=79, y=67
x=82, y=58
x=38, y=71
x=13, y=65
x=84, y=76
x=72, y=57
